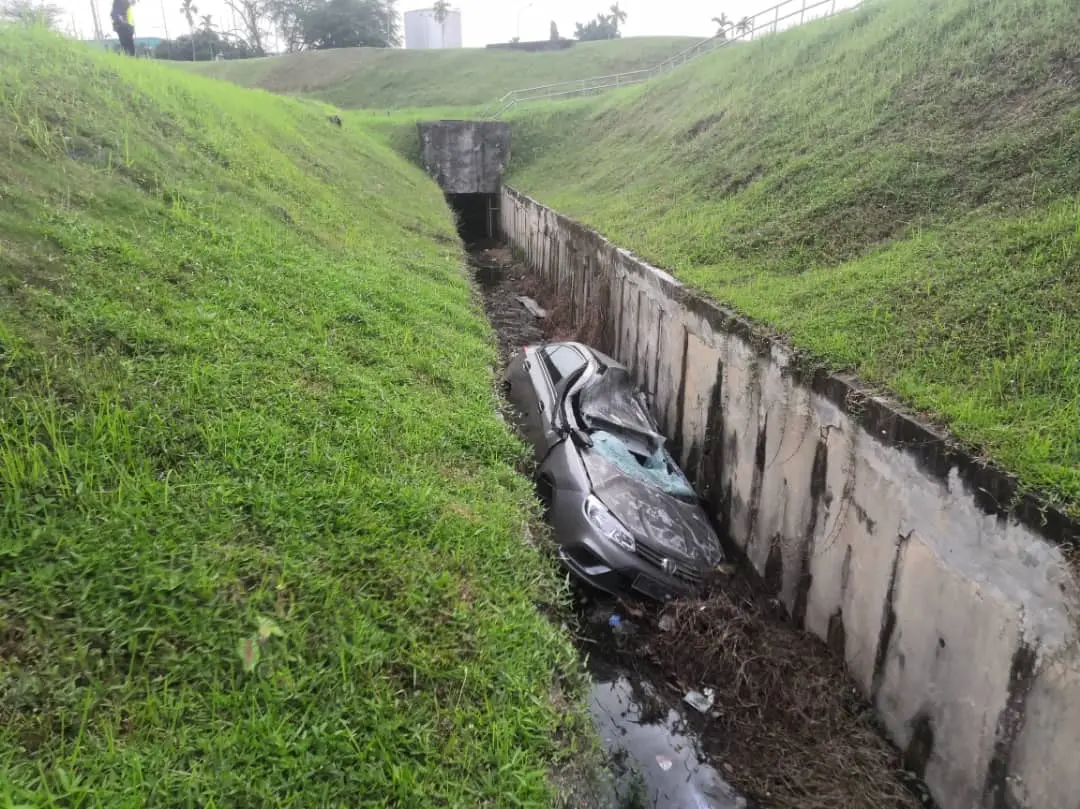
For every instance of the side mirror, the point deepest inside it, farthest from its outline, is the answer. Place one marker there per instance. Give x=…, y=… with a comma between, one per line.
x=581, y=438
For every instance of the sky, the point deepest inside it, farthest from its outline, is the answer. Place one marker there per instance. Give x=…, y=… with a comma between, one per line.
x=483, y=21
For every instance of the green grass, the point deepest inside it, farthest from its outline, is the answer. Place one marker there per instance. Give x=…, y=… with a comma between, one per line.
x=246, y=406
x=894, y=190
x=383, y=79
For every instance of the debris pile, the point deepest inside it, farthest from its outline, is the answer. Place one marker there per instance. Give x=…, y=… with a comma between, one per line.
x=785, y=719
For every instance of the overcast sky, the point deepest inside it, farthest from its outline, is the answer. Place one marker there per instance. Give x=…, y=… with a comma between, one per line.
x=483, y=21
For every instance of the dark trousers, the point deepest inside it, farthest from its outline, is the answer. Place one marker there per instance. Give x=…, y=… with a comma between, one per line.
x=126, y=33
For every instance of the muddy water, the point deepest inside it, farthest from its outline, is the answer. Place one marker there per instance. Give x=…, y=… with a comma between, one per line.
x=657, y=759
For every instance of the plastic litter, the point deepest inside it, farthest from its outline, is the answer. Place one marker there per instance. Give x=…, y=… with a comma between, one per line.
x=621, y=629
x=666, y=623
x=700, y=702
x=664, y=762
x=535, y=309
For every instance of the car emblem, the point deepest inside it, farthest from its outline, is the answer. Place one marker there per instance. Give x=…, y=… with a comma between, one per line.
x=669, y=567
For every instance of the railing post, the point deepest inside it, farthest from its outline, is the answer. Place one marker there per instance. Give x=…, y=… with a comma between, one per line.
x=833, y=8
x=802, y=14
x=776, y=21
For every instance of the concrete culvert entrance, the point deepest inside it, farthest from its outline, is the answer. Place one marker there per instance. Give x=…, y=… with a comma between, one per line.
x=477, y=216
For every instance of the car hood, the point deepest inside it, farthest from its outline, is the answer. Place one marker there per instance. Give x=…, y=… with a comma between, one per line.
x=664, y=522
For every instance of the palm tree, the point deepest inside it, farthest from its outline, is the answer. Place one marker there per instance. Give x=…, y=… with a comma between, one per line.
x=723, y=24
x=617, y=18
x=442, y=12
x=189, y=10
x=744, y=26
x=207, y=22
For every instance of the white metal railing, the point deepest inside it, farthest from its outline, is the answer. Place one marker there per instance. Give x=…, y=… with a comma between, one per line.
x=786, y=14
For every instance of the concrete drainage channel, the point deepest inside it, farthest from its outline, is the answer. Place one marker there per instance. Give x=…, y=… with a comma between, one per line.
x=716, y=703
x=942, y=589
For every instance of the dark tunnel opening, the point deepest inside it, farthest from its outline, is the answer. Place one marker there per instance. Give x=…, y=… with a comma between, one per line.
x=477, y=216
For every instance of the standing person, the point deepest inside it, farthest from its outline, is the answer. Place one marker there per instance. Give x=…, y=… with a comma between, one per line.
x=123, y=21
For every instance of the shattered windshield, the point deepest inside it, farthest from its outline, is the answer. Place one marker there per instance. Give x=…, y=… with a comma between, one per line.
x=624, y=434
x=612, y=401
x=648, y=463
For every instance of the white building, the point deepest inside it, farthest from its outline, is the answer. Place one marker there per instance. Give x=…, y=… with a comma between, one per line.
x=422, y=30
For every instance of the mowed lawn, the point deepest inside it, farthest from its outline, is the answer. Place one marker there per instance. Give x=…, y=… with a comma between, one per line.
x=261, y=538
x=894, y=190
x=393, y=78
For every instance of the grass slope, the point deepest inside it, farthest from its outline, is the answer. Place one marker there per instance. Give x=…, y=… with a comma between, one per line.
x=894, y=189
x=398, y=79
x=247, y=421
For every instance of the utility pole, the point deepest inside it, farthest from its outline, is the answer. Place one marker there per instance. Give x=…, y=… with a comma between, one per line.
x=165, y=25
x=98, y=33
x=520, y=12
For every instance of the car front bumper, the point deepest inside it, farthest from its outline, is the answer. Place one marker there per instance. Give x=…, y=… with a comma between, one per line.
x=606, y=566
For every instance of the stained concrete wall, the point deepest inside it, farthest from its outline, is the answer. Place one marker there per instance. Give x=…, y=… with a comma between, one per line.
x=955, y=613
x=465, y=157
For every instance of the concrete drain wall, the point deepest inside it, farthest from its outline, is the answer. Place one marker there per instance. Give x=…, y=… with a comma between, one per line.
x=954, y=612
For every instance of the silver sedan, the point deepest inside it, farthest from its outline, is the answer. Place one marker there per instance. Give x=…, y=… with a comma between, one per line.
x=626, y=519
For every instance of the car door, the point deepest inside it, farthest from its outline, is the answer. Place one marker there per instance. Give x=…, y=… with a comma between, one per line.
x=531, y=395
x=562, y=363
x=542, y=376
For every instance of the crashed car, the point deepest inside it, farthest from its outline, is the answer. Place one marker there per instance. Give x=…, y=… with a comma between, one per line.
x=625, y=517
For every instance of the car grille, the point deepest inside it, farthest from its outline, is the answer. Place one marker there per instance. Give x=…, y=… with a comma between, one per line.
x=683, y=571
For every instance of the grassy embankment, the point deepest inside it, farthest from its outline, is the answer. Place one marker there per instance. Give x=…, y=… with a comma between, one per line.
x=260, y=533
x=895, y=190
x=372, y=78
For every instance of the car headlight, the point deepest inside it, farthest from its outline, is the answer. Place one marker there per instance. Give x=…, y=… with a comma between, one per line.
x=608, y=524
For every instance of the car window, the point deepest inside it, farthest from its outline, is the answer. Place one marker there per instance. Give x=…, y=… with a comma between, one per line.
x=562, y=361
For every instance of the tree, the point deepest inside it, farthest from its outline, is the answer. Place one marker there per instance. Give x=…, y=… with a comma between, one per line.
x=617, y=17
x=723, y=25
x=207, y=22
x=315, y=24
x=203, y=46
x=603, y=27
x=744, y=26
x=442, y=12
x=189, y=10
x=31, y=12
x=344, y=24
x=298, y=24
x=287, y=17
x=392, y=30
x=254, y=17
x=555, y=32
